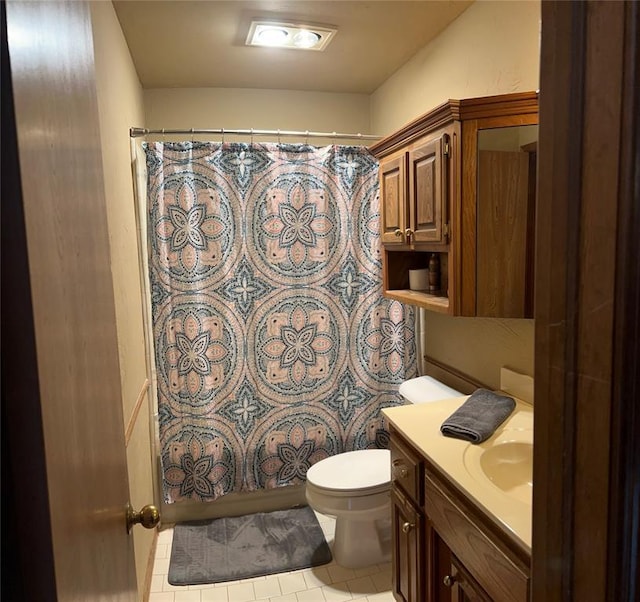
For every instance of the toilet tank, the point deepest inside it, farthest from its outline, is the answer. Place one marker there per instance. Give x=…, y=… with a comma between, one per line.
x=425, y=389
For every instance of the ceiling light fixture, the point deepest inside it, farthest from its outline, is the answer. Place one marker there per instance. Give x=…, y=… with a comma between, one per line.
x=289, y=35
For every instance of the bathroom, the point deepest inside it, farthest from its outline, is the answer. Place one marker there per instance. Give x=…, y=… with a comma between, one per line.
x=491, y=64
x=391, y=107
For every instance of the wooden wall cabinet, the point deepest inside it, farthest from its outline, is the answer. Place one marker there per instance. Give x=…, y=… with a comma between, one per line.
x=443, y=192
x=414, y=185
x=445, y=548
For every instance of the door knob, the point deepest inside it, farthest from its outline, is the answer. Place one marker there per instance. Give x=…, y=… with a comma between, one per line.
x=406, y=527
x=449, y=580
x=148, y=517
x=398, y=232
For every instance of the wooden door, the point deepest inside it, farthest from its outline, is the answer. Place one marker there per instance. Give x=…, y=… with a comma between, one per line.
x=427, y=191
x=393, y=207
x=408, y=564
x=61, y=385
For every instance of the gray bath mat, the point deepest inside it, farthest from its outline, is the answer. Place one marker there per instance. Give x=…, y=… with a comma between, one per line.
x=239, y=547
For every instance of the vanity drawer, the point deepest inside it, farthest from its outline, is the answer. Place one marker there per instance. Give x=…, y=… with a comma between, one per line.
x=502, y=575
x=406, y=470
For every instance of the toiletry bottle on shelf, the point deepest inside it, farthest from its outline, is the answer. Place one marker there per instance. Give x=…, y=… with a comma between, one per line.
x=434, y=273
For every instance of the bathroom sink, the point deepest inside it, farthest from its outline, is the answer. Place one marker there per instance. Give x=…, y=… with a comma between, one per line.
x=506, y=464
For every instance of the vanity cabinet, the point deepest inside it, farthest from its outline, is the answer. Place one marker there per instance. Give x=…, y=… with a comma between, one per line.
x=445, y=547
x=460, y=182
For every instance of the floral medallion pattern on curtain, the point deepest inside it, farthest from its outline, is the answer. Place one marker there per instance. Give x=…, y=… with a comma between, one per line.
x=274, y=346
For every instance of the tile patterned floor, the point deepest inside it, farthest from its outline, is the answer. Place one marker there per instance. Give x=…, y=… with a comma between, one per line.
x=327, y=583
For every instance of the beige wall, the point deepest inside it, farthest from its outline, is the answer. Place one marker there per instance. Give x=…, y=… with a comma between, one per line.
x=238, y=108
x=120, y=105
x=492, y=48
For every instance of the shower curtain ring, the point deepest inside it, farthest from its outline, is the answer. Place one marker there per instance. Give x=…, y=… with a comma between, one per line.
x=251, y=139
x=192, y=133
x=222, y=130
x=279, y=141
x=163, y=138
x=306, y=137
x=334, y=137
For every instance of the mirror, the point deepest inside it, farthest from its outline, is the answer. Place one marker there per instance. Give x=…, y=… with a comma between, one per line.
x=506, y=189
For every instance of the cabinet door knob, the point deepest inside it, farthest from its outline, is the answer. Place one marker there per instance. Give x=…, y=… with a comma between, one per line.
x=449, y=580
x=408, y=232
x=400, y=469
x=406, y=527
x=398, y=232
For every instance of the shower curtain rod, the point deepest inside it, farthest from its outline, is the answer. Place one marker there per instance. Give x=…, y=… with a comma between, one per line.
x=137, y=132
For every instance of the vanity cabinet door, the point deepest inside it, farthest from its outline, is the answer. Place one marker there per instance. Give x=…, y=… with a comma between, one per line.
x=408, y=549
x=393, y=205
x=475, y=543
x=463, y=587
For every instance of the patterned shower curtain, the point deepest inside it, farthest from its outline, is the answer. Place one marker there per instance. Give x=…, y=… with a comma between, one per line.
x=274, y=347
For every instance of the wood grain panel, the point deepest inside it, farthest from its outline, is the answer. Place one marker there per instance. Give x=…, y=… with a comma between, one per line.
x=467, y=282
x=500, y=106
x=408, y=549
x=465, y=587
x=589, y=70
x=498, y=574
x=427, y=191
x=26, y=528
x=597, y=253
x=454, y=217
x=425, y=170
x=393, y=199
x=56, y=112
x=502, y=212
x=623, y=573
x=406, y=470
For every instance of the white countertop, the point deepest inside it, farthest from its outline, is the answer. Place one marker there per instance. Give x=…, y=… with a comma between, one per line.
x=460, y=460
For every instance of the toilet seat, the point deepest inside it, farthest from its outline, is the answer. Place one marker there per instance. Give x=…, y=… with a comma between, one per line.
x=356, y=473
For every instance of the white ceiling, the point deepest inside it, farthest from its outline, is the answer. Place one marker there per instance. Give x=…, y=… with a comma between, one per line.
x=188, y=44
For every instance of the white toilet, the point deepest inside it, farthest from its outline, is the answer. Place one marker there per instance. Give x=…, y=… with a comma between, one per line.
x=354, y=487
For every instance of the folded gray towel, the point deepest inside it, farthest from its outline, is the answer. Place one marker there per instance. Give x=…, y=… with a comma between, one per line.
x=478, y=417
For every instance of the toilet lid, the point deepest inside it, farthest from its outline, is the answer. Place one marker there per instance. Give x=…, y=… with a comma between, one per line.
x=367, y=469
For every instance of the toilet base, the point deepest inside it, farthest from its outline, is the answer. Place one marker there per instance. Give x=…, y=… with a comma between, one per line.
x=360, y=543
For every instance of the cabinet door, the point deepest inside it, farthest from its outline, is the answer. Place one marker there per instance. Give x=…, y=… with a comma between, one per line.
x=438, y=565
x=427, y=191
x=408, y=564
x=463, y=587
x=393, y=208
